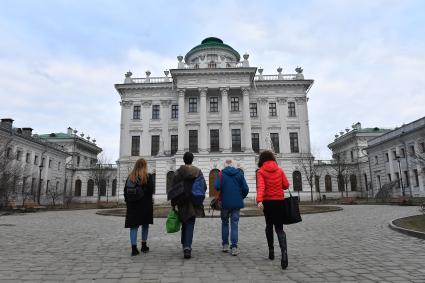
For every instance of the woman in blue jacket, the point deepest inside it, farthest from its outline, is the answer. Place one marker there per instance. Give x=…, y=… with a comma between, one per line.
x=233, y=189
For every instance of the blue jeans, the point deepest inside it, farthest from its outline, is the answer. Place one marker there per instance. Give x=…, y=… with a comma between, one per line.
x=234, y=220
x=187, y=233
x=133, y=234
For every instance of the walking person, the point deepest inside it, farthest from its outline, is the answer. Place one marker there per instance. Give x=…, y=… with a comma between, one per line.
x=138, y=192
x=271, y=182
x=233, y=189
x=187, y=207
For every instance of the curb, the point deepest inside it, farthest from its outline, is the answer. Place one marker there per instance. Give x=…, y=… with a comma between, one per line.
x=405, y=231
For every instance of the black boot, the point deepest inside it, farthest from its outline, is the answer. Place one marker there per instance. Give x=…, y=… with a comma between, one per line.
x=187, y=253
x=144, y=248
x=281, y=236
x=134, y=250
x=269, y=236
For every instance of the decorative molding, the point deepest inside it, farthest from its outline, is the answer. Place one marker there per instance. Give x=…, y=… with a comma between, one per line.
x=245, y=91
x=126, y=103
x=181, y=92
x=224, y=91
x=146, y=103
x=203, y=91
x=166, y=103
x=300, y=100
x=263, y=100
x=282, y=101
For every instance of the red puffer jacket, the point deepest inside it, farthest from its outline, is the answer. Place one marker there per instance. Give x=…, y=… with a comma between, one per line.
x=271, y=181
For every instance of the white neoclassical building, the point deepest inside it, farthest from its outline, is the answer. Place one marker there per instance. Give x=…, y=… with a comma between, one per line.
x=217, y=106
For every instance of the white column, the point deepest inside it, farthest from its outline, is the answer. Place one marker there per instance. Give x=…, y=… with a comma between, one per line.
x=125, y=138
x=182, y=122
x=263, y=120
x=284, y=134
x=145, y=139
x=303, y=118
x=203, y=120
x=247, y=121
x=225, y=119
x=165, y=113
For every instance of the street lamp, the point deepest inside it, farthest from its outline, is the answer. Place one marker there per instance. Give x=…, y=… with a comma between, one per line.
x=401, y=176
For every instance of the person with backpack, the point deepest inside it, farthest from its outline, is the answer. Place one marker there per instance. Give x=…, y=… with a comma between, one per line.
x=271, y=183
x=190, y=181
x=138, y=192
x=233, y=188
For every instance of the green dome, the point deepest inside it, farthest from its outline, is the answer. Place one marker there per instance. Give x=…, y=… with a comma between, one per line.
x=212, y=42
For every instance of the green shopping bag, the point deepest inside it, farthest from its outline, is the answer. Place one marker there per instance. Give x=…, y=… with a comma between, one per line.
x=173, y=222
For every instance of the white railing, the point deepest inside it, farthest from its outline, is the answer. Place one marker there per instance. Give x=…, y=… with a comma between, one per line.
x=275, y=77
x=151, y=80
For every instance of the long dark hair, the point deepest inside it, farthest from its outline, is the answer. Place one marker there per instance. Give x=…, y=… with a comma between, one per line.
x=266, y=155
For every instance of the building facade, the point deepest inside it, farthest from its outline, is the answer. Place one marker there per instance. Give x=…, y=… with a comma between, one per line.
x=217, y=106
x=399, y=155
x=88, y=178
x=31, y=169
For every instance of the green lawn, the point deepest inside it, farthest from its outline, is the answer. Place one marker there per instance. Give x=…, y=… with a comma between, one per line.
x=416, y=223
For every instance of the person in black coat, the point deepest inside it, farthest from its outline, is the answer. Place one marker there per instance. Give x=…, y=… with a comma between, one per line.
x=138, y=192
x=187, y=209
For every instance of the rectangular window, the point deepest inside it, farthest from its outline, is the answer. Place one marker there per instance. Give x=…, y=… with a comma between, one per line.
x=402, y=153
x=255, y=142
x=394, y=155
x=36, y=160
x=193, y=140
x=293, y=140
x=193, y=104
x=43, y=161
x=236, y=140
x=136, y=112
x=415, y=172
x=47, y=185
x=365, y=180
x=317, y=183
x=376, y=159
x=214, y=104
x=59, y=166
x=174, y=144
x=389, y=177
x=174, y=111
x=275, y=141
x=234, y=104
x=155, y=112
x=397, y=176
x=406, y=178
x=27, y=158
x=50, y=163
x=387, y=157
x=135, y=145
x=352, y=156
x=214, y=140
x=253, y=109
x=412, y=150
x=154, y=145
x=18, y=155
x=291, y=109
x=379, y=181
x=272, y=109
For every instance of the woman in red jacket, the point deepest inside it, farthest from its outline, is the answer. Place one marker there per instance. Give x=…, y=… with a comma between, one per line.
x=271, y=181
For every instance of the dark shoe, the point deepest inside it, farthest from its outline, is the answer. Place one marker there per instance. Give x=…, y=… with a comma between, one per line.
x=284, y=260
x=271, y=253
x=134, y=250
x=144, y=248
x=187, y=253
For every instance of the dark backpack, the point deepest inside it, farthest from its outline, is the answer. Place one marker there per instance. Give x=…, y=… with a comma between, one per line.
x=198, y=190
x=134, y=191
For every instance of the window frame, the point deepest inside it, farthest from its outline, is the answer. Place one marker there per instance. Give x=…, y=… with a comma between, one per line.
x=214, y=140
x=292, y=112
x=272, y=109
x=293, y=137
x=174, y=111
x=256, y=144
x=156, y=112
x=193, y=105
x=136, y=113
x=236, y=140
x=234, y=104
x=214, y=104
x=193, y=140
x=174, y=144
x=274, y=138
x=135, y=145
x=155, y=139
x=253, y=111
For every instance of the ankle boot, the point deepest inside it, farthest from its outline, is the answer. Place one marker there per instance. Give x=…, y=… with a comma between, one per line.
x=134, y=250
x=281, y=236
x=144, y=248
x=271, y=253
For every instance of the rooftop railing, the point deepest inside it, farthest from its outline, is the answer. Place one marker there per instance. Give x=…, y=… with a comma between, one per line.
x=151, y=80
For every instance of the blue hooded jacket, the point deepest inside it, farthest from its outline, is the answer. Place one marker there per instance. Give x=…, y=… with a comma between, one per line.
x=233, y=188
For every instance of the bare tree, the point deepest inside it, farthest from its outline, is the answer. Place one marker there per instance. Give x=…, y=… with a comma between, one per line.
x=101, y=173
x=306, y=162
x=341, y=168
x=54, y=193
x=10, y=173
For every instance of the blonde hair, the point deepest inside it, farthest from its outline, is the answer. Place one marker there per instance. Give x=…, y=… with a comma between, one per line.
x=140, y=170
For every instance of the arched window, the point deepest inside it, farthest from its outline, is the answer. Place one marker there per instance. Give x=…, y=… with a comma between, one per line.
x=317, y=183
x=228, y=65
x=196, y=66
x=90, y=188
x=353, y=182
x=296, y=178
x=77, y=191
x=212, y=65
x=328, y=183
x=102, y=188
x=169, y=180
x=114, y=187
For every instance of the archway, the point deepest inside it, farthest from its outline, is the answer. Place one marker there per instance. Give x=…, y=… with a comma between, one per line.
x=90, y=188
x=77, y=191
x=213, y=175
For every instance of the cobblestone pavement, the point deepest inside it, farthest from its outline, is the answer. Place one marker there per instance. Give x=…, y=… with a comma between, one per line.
x=353, y=245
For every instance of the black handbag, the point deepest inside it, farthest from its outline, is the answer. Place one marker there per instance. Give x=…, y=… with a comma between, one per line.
x=291, y=210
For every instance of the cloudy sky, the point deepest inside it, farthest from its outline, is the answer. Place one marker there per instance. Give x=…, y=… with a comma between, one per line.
x=59, y=60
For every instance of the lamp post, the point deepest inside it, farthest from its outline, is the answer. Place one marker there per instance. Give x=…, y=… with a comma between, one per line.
x=401, y=176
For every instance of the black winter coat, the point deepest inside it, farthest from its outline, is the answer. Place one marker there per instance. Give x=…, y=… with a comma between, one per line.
x=186, y=209
x=141, y=211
